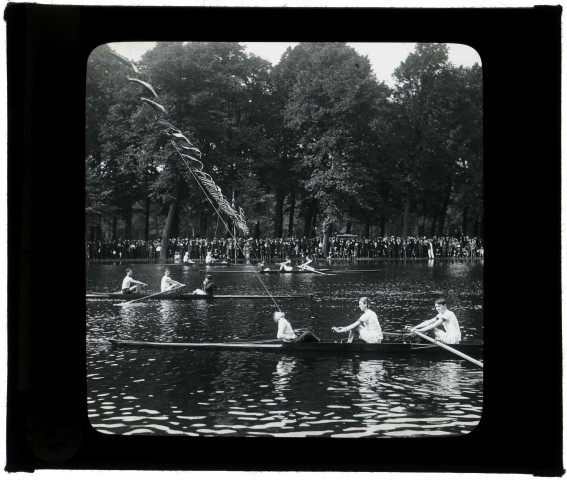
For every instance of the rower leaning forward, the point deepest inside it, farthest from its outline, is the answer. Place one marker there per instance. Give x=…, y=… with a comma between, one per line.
x=209, y=286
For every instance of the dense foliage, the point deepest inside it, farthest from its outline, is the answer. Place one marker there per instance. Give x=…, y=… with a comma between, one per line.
x=311, y=146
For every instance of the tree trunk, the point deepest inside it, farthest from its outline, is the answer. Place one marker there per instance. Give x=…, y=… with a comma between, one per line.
x=291, y=213
x=405, y=218
x=443, y=213
x=327, y=229
x=348, y=227
x=382, y=226
x=114, y=227
x=465, y=220
x=168, y=229
x=278, y=219
x=432, y=231
x=310, y=218
x=203, y=223
x=367, y=228
x=128, y=221
x=147, y=219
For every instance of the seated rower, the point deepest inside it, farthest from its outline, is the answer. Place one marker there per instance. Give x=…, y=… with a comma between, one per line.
x=286, y=333
x=366, y=327
x=127, y=287
x=306, y=266
x=208, y=286
x=209, y=258
x=285, y=266
x=261, y=267
x=186, y=258
x=167, y=283
x=451, y=333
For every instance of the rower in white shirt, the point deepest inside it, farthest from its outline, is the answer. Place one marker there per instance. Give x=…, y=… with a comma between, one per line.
x=167, y=283
x=451, y=332
x=129, y=285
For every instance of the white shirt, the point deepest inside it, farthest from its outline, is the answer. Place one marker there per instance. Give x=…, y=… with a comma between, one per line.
x=166, y=283
x=285, y=332
x=451, y=326
x=369, y=320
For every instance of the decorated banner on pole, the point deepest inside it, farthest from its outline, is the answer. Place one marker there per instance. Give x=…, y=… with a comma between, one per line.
x=190, y=155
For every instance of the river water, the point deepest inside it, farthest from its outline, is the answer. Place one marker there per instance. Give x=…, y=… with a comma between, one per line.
x=145, y=391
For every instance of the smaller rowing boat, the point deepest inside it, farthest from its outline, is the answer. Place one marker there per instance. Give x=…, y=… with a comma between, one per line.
x=181, y=296
x=284, y=272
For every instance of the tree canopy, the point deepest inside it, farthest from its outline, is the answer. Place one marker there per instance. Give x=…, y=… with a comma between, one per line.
x=315, y=139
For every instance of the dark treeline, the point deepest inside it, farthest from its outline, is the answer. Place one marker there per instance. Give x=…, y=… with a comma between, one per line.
x=309, y=147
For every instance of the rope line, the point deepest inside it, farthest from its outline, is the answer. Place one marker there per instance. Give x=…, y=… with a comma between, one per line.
x=225, y=224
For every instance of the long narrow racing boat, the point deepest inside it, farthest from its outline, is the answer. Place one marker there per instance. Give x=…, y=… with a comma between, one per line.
x=377, y=349
x=267, y=271
x=179, y=296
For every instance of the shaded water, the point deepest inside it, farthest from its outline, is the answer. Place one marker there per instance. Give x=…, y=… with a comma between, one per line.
x=178, y=392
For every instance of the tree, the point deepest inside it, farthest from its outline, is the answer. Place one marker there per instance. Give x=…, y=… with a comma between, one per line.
x=330, y=107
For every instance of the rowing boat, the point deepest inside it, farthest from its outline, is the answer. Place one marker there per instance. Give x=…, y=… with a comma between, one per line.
x=266, y=271
x=379, y=349
x=294, y=271
x=180, y=296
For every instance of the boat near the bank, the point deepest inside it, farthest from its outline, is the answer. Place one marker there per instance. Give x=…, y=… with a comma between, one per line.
x=180, y=296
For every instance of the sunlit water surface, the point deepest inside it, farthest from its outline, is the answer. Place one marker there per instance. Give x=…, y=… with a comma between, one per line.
x=225, y=393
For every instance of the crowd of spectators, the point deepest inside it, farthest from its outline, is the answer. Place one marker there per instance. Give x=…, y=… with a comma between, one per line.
x=278, y=249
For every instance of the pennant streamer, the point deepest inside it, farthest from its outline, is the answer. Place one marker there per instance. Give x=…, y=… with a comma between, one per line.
x=194, y=165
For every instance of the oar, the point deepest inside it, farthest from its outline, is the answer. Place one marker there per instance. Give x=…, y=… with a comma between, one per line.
x=315, y=271
x=152, y=295
x=450, y=349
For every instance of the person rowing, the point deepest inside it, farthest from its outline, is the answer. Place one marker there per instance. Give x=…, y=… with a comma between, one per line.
x=167, y=283
x=451, y=332
x=209, y=258
x=261, y=267
x=367, y=327
x=287, y=334
x=306, y=266
x=286, y=266
x=208, y=287
x=129, y=285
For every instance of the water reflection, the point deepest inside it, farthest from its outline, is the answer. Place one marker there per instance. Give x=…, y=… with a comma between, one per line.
x=210, y=393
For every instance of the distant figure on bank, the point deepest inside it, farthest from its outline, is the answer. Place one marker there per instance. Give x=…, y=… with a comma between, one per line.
x=167, y=283
x=451, y=332
x=127, y=283
x=366, y=328
x=208, y=287
x=286, y=333
x=286, y=266
x=186, y=258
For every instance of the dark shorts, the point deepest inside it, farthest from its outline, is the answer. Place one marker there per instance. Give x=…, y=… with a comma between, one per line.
x=127, y=291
